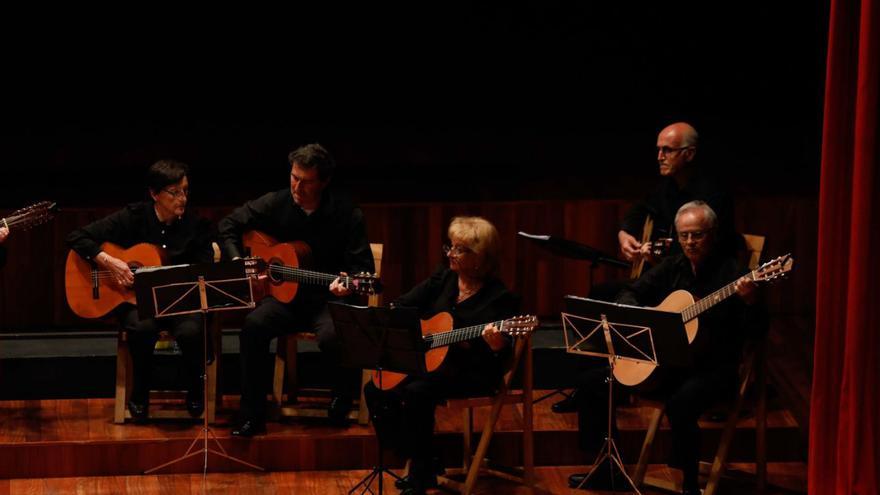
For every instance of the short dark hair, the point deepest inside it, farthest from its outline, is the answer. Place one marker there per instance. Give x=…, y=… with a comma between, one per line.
x=165, y=173
x=311, y=156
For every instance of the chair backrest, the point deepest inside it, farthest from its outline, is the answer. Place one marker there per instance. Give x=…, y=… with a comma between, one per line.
x=754, y=247
x=376, y=248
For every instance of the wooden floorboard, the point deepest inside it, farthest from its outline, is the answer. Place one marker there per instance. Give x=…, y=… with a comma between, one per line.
x=785, y=478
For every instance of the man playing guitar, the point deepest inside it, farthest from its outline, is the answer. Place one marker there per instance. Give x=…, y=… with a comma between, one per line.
x=182, y=237
x=333, y=228
x=700, y=269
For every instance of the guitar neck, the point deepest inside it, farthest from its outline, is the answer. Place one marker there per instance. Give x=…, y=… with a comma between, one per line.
x=292, y=274
x=697, y=308
x=442, y=339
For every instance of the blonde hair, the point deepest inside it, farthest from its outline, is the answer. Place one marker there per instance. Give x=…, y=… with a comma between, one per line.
x=481, y=237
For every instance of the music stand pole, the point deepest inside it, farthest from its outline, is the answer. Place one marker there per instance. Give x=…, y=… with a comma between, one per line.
x=206, y=430
x=379, y=469
x=609, y=448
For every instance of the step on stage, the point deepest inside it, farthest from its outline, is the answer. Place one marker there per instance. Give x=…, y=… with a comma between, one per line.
x=77, y=438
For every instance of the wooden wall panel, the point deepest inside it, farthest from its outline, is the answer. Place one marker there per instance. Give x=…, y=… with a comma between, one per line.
x=32, y=284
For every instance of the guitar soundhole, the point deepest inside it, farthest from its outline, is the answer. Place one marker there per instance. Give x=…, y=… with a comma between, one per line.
x=275, y=275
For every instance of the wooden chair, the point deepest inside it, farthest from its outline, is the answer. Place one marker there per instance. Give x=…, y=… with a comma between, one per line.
x=124, y=375
x=285, y=367
x=475, y=463
x=753, y=370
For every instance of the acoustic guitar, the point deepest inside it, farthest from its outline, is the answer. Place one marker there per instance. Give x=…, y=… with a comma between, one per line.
x=681, y=301
x=30, y=216
x=438, y=335
x=283, y=262
x=92, y=292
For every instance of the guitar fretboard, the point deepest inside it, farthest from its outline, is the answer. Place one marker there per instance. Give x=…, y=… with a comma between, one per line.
x=694, y=310
x=441, y=339
x=292, y=274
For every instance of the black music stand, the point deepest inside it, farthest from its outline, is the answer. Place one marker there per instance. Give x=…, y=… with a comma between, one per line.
x=638, y=335
x=201, y=288
x=567, y=248
x=383, y=339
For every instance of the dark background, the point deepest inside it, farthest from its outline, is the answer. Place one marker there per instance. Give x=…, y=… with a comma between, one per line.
x=418, y=104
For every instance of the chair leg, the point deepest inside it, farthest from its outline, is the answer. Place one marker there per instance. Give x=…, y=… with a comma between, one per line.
x=123, y=378
x=363, y=417
x=642, y=466
x=761, y=418
x=467, y=437
x=727, y=435
x=528, y=421
x=483, y=446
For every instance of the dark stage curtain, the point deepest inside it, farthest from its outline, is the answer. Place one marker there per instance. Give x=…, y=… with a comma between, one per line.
x=845, y=409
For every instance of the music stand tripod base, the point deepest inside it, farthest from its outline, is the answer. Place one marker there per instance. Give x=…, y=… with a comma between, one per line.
x=174, y=293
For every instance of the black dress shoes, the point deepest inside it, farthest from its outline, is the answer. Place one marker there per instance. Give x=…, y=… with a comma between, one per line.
x=566, y=405
x=340, y=406
x=575, y=480
x=249, y=428
x=140, y=413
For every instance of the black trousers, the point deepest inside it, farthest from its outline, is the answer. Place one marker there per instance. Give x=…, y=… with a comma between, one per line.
x=142, y=337
x=404, y=416
x=687, y=394
x=272, y=319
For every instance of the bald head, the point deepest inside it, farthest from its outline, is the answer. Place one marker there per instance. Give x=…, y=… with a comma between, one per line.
x=676, y=148
x=682, y=132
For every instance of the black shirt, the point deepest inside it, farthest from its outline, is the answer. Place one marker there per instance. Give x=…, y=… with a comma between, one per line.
x=2, y=256
x=185, y=240
x=335, y=232
x=723, y=328
x=492, y=302
x=663, y=203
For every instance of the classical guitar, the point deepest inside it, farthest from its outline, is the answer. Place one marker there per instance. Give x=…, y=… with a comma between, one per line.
x=681, y=301
x=283, y=262
x=30, y=216
x=92, y=292
x=438, y=335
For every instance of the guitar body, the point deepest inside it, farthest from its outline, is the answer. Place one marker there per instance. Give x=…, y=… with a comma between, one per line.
x=441, y=322
x=92, y=296
x=290, y=254
x=633, y=373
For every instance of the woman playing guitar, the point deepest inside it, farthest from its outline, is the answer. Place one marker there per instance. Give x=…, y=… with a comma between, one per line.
x=470, y=291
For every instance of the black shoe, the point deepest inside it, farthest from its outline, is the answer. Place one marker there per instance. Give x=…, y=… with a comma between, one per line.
x=599, y=481
x=249, y=428
x=195, y=404
x=575, y=480
x=566, y=405
x=140, y=411
x=692, y=491
x=407, y=482
x=340, y=407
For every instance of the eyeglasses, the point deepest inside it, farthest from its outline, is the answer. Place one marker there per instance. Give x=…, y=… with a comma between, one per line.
x=177, y=193
x=696, y=235
x=666, y=150
x=455, y=250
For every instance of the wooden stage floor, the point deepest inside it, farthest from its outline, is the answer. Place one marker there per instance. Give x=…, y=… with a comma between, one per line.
x=77, y=445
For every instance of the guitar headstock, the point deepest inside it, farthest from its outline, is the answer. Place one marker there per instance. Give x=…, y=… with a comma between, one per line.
x=254, y=265
x=365, y=283
x=33, y=215
x=661, y=246
x=774, y=269
x=520, y=326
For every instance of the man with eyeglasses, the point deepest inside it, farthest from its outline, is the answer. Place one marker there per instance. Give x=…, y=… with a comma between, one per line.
x=334, y=229
x=681, y=180
x=700, y=268
x=165, y=222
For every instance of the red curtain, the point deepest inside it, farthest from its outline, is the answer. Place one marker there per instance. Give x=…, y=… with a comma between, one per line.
x=844, y=453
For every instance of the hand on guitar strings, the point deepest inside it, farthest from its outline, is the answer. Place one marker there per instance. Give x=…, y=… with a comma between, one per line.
x=747, y=290
x=119, y=270
x=338, y=288
x=4, y=233
x=629, y=246
x=494, y=337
